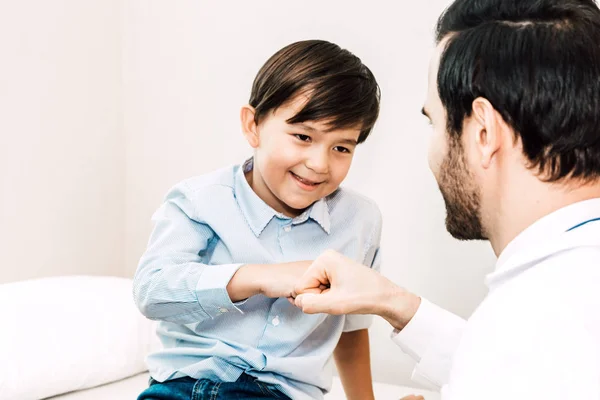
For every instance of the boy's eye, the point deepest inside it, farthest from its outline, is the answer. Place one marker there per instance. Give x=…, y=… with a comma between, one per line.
x=304, y=138
x=341, y=149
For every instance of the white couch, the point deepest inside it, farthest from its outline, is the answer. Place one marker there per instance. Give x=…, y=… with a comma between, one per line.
x=82, y=338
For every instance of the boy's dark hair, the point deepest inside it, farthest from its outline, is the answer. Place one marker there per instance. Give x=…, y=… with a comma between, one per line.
x=342, y=91
x=538, y=63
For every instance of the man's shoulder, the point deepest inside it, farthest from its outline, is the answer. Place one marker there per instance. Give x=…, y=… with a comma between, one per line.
x=572, y=269
x=565, y=283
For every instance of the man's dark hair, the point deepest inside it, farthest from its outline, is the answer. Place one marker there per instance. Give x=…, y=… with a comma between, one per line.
x=538, y=63
x=342, y=91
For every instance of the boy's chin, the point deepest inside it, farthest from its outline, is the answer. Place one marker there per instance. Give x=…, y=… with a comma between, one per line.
x=298, y=205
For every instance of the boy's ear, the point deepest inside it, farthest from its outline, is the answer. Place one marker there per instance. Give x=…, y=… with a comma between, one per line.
x=249, y=126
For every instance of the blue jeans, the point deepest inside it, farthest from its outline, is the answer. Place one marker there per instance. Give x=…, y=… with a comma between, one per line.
x=246, y=388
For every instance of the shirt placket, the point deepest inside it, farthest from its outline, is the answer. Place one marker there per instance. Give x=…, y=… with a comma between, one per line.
x=275, y=321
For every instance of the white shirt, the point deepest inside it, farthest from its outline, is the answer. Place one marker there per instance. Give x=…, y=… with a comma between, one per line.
x=537, y=333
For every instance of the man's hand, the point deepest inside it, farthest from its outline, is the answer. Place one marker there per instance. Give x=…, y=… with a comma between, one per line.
x=350, y=288
x=413, y=397
x=335, y=284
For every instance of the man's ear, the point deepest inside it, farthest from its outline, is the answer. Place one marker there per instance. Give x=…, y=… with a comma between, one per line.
x=488, y=136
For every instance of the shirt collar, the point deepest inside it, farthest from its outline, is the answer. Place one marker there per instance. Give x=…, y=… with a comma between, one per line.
x=319, y=212
x=543, y=237
x=258, y=214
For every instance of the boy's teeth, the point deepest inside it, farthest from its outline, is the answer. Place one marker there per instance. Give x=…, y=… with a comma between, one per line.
x=304, y=181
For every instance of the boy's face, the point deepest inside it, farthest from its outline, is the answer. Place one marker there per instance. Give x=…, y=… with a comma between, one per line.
x=295, y=165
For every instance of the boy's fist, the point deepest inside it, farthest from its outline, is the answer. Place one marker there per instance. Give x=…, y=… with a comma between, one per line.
x=279, y=280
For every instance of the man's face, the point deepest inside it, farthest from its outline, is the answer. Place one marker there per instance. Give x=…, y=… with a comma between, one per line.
x=449, y=163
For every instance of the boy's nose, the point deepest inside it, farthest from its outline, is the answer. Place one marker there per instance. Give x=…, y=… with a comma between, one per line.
x=318, y=162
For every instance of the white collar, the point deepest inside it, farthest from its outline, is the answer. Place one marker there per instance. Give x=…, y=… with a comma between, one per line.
x=547, y=236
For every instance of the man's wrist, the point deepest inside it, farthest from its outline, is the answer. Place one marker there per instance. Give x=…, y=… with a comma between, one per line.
x=399, y=306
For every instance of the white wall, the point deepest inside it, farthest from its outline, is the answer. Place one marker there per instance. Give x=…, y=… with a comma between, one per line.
x=105, y=104
x=188, y=67
x=62, y=155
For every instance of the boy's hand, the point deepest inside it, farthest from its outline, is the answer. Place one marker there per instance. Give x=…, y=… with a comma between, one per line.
x=279, y=280
x=271, y=280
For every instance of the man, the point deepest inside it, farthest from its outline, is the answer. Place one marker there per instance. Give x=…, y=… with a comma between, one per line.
x=514, y=101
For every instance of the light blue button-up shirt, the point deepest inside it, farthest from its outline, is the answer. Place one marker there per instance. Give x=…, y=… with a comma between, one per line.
x=206, y=229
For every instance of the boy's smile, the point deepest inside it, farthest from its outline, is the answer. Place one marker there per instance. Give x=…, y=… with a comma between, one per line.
x=306, y=184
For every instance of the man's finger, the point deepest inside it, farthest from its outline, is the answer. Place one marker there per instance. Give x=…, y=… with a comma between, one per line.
x=318, y=290
x=413, y=397
x=309, y=282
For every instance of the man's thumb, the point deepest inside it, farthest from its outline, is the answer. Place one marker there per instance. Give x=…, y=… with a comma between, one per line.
x=311, y=303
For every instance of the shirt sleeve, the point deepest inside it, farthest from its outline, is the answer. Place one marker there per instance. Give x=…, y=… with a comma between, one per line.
x=431, y=338
x=171, y=282
x=373, y=259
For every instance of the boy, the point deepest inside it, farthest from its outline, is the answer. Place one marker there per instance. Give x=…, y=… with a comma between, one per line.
x=229, y=246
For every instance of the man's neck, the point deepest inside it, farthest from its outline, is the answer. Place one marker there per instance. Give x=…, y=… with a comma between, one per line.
x=531, y=201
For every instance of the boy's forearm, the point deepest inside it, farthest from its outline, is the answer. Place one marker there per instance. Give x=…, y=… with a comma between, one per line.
x=353, y=361
x=246, y=282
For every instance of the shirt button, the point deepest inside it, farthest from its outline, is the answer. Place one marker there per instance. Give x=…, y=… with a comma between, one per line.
x=276, y=321
x=223, y=310
x=287, y=228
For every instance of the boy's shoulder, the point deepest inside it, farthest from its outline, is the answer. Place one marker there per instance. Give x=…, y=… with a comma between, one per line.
x=348, y=201
x=204, y=192
x=208, y=183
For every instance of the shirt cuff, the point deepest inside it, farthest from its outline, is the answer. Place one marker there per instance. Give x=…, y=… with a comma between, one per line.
x=357, y=322
x=211, y=290
x=420, y=331
x=430, y=338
